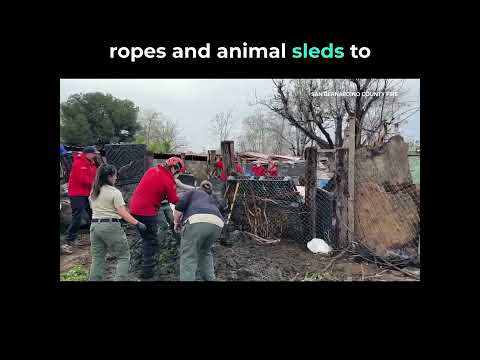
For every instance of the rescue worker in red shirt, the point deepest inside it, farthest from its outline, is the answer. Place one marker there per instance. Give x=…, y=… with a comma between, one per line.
x=237, y=169
x=272, y=168
x=238, y=166
x=258, y=169
x=218, y=167
x=157, y=184
x=80, y=182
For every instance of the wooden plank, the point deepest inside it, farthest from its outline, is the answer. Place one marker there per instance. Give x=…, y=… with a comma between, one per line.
x=311, y=186
x=212, y=154
x=228, y=154
x=192, y=157
x=327, y=150
x=351, y=179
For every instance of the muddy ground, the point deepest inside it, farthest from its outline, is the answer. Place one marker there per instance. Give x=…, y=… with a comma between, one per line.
x=246, y=260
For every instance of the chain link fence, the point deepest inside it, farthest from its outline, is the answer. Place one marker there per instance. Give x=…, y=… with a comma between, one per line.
x=273, y=208
x=387, y=210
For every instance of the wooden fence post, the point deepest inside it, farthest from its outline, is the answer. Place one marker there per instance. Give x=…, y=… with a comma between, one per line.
x=311, y=186
x=228, y=154
x=212, y=154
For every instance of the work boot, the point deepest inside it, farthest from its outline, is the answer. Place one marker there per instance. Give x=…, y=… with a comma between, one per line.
x=146, y=274
x=224, y=240
x=65, y=249
x=148, y=271
x=72, y=243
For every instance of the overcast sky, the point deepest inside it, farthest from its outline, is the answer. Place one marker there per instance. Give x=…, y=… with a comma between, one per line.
x=192, y=103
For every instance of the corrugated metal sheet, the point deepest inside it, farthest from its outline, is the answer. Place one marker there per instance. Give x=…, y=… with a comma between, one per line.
x=414, y=163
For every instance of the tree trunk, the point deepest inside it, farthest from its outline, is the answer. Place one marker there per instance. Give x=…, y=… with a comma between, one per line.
x=311, y=187
x=228, y=154
x=338, y=132
x=341, y=199
x=211, y=161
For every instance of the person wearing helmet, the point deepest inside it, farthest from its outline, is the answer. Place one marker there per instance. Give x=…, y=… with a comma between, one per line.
x=272, y=168
x=258, y=169
x=218, y=167
x=238, y=170
x=156, y=185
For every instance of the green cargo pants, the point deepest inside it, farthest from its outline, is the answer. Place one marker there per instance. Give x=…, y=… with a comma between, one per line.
x=196, y=251
x=108, y=236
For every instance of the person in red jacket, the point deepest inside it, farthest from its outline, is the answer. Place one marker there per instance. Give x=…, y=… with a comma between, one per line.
x=272, y=168
x=218, y=167
x=156, y=185
x=80, y=184
x=238, y=169
x=258, y=169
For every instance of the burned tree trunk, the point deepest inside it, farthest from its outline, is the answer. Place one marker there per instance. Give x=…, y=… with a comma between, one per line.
x=227, y=156
x=341, y=199
x=311, y=186
x=211, y=161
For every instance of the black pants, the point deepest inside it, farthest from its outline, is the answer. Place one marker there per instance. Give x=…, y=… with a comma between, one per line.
x=79, y=204
x=150, y=243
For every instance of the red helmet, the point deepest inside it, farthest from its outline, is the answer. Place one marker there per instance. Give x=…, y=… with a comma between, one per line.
x=176, y=163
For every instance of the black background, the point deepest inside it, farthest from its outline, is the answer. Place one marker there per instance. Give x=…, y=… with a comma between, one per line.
x=394, y=54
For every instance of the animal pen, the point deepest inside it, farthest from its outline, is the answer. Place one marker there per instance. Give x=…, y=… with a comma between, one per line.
x=369, y=209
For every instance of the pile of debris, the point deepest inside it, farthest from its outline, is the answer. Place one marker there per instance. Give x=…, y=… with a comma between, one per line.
x=270, y=209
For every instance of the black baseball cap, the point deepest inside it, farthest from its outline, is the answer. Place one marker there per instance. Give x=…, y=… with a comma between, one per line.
x=90, y=150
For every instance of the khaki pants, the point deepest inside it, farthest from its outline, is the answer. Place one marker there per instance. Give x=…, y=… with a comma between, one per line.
x=108, y=236
x=196, y=251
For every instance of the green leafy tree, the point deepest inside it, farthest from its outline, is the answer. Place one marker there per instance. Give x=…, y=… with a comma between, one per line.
x=159, y=133
x=97, y=118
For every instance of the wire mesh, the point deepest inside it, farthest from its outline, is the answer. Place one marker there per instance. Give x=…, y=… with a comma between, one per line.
x=387, y=209
x=129, y=161
x=273, y=208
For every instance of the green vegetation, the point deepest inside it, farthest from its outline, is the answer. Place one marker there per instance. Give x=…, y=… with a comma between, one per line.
x=92, y=118
x=76, y=273
x=314, y=276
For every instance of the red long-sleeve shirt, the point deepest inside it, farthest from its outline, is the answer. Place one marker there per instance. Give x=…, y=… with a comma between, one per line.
x=82, y=176
x=156, y=184
x=258, y=170
x=223, y=176
x=273, y=171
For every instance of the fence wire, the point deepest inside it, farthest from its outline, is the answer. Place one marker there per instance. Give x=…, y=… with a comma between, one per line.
x=387, y=215
x=274, y=208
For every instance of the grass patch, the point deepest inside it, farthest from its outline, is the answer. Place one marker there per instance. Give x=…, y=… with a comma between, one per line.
x=314, y=276
x=76, y=273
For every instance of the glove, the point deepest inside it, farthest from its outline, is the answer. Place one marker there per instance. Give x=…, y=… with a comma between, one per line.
x=177, y=228
x=141, y=226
